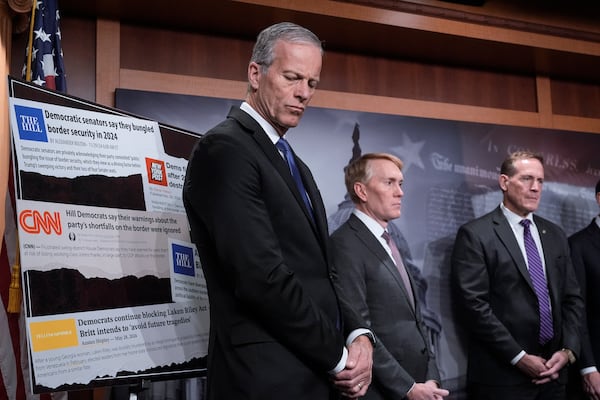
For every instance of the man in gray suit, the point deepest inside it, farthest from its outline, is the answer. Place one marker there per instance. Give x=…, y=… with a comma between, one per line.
x=518, y=293
x=585, y=252
x=377, y=284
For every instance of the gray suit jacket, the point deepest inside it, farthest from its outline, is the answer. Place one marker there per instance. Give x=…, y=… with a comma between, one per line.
x=372, y=284
x=499, y=304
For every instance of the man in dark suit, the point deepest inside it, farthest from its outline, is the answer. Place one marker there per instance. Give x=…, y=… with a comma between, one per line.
x=278, y=329
x=585, y=253
x=371, y=271
x=516, y=286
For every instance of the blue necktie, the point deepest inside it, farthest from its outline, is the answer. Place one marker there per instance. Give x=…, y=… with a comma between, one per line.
x=285, y=148
x=538, y=278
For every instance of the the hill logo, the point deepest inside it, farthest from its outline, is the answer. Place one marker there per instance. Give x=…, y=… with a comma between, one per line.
x=183, y=259
x=30, y=122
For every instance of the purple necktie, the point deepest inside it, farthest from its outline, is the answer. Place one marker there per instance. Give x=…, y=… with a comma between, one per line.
x=400, y=266
x=285, y=148
x=538, y=278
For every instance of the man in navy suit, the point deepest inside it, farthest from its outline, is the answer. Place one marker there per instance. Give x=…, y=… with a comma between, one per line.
x=517, y=289
x=372, y=272
x=278, y=327
x=585, y=252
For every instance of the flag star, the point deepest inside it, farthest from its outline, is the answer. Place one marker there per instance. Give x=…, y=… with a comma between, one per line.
x=40, y=34
x=47, y=40
x=39, y=81
x=409, y=151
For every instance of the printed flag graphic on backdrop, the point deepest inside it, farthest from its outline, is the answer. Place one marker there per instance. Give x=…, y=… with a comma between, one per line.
x=44, y=64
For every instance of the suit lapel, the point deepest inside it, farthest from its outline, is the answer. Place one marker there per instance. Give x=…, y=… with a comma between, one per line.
x=548, y=246
x=320, y=217
x=375, y=246
x=507, y=237
x=594, y=231
x=283, y=170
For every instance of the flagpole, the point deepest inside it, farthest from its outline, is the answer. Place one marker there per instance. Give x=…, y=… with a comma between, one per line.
x=30, y=44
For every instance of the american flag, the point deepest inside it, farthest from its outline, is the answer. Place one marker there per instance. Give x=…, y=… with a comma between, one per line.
x=44, y=64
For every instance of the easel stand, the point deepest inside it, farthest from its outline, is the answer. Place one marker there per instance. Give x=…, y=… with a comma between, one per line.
x=138, y=390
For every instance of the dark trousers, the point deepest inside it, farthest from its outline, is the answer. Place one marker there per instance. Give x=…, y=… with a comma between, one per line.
x=575, y=385
x=527, y=391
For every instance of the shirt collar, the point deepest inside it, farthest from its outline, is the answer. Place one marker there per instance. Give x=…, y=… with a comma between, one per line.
x=267, y=127
x=514, y=219
x=371, y=224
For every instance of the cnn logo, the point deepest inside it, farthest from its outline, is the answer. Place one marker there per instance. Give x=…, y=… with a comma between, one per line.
x=35, y=222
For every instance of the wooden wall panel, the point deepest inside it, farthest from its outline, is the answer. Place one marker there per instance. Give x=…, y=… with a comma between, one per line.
x=410, y=80
x=108, y=60
x=576, y=99
x=79, y=48
x=197, y=55
x=191, y=54
x=184, y=53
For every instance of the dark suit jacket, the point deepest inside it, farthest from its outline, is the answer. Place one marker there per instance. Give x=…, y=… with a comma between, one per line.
x=274, y=314
x=373, y=285
x=585, y=253
x=500, y=307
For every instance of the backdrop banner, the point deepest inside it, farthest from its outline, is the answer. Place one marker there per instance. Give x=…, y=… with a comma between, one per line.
x=450, y=177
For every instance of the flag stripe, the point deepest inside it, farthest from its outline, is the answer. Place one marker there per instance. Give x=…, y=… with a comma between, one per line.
x=44, y=58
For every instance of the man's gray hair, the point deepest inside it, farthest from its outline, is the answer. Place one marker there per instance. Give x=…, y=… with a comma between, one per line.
x=262, y=54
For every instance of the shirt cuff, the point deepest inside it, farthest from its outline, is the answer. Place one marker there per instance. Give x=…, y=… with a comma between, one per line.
x=341, y=364
x=518, y=357
x=357, y=332
x=588, y=370
x=351, y=337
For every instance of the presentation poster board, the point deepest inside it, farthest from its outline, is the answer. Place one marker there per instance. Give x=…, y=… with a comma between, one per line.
x=451, y=171
x=113, y=287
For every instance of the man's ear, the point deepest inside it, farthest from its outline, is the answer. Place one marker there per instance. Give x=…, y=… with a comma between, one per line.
x=253, y=75
x=360, y=191
x=503, y=182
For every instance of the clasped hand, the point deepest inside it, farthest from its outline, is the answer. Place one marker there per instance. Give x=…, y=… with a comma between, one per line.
x=355, y=379
x=541, y=370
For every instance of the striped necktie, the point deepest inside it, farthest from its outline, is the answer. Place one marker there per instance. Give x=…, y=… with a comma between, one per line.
x=538, y=278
